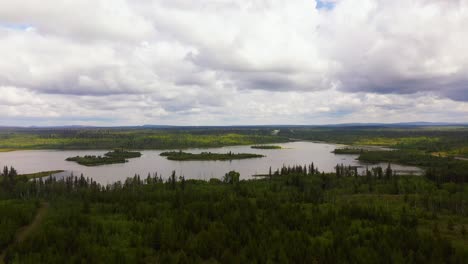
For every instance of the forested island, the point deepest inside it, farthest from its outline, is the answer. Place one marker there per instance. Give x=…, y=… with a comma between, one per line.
x=266, y=147
x=111, y=157
x=121, y=153
x=348, y=151
x=184, y=156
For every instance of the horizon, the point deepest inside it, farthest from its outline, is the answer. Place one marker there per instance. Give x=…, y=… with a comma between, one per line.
x=224, y=131
x=337, y=125
x=228, y=63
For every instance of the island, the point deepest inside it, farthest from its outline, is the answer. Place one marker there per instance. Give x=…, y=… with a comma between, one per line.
x=266, y=147
x=111, y=157
x=121, y=153
x=349, y=151
x=182, y=156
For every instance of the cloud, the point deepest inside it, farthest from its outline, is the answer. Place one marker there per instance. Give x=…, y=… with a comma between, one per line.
x=400, y=46
x=233, y=62
x=84, y=20
x=268, y=45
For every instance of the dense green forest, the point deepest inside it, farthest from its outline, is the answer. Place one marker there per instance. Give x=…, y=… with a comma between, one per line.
x=109, y=138
x=121, y=153
x=439, y=140
x=349, y=151
x=447, y=141
x=295, y=214
x=180, y=155
x=93, y=160
x=440, y=169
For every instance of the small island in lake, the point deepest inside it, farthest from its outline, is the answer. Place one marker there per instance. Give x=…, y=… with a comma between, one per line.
x=111, y=157
x=179, y=155
x=120, y=153
x=348, y=151
x=266, y=147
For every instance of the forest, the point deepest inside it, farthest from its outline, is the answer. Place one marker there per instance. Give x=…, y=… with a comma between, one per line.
x=292, y=214
x=348, y=151
x=181, y=156
x=266, y=147
x=127, y=138
x=295, y=214
x=111, y=157
x=437, y=140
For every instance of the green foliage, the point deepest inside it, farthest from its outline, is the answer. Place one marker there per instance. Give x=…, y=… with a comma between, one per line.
x=116, y=156
x=13, y=215
x=120, y=153
x=446, y=140
x=439, y=169
x=132, y=138
x=416, y=158
x=180, y=155
x=297, y=215
x=266, y=147
x=92, y=160
x=348, y=151
x=36, y=175
x=231, y=177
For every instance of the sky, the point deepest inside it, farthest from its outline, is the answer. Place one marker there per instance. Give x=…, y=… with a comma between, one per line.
x=230, y=62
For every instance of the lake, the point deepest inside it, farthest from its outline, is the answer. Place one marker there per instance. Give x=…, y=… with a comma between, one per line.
x=293, y=153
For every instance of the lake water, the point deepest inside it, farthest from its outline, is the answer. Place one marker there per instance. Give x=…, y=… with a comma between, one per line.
x=293, y=153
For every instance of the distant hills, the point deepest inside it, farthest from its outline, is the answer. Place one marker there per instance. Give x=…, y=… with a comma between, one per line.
x=404, y=124
x=150, y=126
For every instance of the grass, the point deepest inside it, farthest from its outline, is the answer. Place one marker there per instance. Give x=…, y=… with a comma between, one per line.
x=39, y=174
x=7, y=149
x=35, y=175
x=394, y=142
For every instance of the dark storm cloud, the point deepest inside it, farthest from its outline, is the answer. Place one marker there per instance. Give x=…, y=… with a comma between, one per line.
x=453, y=88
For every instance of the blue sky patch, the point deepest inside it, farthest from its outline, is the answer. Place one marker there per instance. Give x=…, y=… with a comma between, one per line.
x=325, y=4
x=15, y=26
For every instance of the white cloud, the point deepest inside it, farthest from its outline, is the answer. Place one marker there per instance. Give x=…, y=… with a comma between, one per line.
x=81, y=20
x=233, y=62
x=400, y=46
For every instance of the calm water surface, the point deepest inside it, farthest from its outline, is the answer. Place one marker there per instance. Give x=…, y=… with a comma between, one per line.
x=292, y=153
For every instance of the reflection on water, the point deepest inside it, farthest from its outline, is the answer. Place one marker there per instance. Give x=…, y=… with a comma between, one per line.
x=293, y=153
